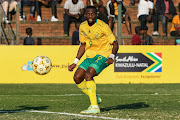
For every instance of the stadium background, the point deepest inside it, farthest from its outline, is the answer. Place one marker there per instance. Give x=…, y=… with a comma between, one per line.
x=15, y=57
x=50, y=33
x=64, y=101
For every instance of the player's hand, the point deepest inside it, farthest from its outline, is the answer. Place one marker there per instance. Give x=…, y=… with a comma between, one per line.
x=71, y=67
x=109, y=61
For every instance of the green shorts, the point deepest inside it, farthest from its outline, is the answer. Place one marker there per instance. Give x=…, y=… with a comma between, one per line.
x=98, y=63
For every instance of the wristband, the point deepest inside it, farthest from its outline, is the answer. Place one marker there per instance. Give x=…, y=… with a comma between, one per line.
x=76, y=61
x=112, y=56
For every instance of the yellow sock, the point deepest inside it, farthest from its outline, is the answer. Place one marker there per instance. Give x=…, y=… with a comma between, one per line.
x=91, y=87
x=83, y=87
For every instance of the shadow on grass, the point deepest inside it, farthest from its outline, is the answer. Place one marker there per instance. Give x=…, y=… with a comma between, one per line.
x=127, y=106
x=24, y=109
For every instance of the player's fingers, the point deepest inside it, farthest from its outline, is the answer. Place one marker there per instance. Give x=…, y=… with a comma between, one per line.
x=70, y=68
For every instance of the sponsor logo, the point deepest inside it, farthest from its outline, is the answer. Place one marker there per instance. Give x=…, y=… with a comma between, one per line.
x=27, y=67
x=126, y=59
x=138, y=62
x=96, y=35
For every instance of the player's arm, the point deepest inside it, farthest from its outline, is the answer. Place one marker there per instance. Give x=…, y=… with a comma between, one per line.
x=112, y=40
x=80, y=53
x=81, y=50
x=115, y=48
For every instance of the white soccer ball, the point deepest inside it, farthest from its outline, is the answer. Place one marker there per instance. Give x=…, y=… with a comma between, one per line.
x=41, y=65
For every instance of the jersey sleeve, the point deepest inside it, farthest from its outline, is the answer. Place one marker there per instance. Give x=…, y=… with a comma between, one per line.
x=81, y=35
x=108, y=33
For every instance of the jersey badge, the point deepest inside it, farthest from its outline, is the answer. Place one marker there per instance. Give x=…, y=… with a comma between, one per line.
x=96, y=35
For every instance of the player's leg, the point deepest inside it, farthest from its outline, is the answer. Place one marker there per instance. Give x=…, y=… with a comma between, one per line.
x=79, y=75
x=94, y=69
x=91, y=87
x=81, y=83
x=79, y=80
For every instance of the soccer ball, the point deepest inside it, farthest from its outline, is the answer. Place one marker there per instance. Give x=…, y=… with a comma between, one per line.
x=41, y=65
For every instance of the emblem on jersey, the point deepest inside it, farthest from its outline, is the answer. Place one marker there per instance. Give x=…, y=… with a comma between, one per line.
x=85, y=34
x=96, y=35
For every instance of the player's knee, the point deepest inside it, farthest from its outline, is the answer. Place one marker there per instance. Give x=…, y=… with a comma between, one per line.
x=77, y=78
x=88, y=76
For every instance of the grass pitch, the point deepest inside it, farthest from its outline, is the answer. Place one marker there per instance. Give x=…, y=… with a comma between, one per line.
x=65, y=101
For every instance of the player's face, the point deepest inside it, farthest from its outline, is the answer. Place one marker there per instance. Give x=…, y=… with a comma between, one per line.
x=91, y=15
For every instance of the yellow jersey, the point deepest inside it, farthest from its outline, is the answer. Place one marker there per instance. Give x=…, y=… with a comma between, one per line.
x=98, y=38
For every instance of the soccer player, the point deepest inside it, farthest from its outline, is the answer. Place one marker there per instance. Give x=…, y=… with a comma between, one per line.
x=101, y=47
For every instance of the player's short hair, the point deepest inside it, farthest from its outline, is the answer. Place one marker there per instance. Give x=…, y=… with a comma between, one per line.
x=179, y=7
x=91, y=7
x=28, y=30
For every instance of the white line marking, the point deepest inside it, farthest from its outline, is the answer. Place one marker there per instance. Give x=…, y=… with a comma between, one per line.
x=134, y=94
x=47, y=95
x=63, y=113
x=84, y=94
x=80, y=115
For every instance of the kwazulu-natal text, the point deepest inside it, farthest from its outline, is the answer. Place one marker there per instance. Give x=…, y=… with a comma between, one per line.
x=131, y=65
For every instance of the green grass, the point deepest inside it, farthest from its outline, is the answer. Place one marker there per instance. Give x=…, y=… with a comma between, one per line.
x=125, y=101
